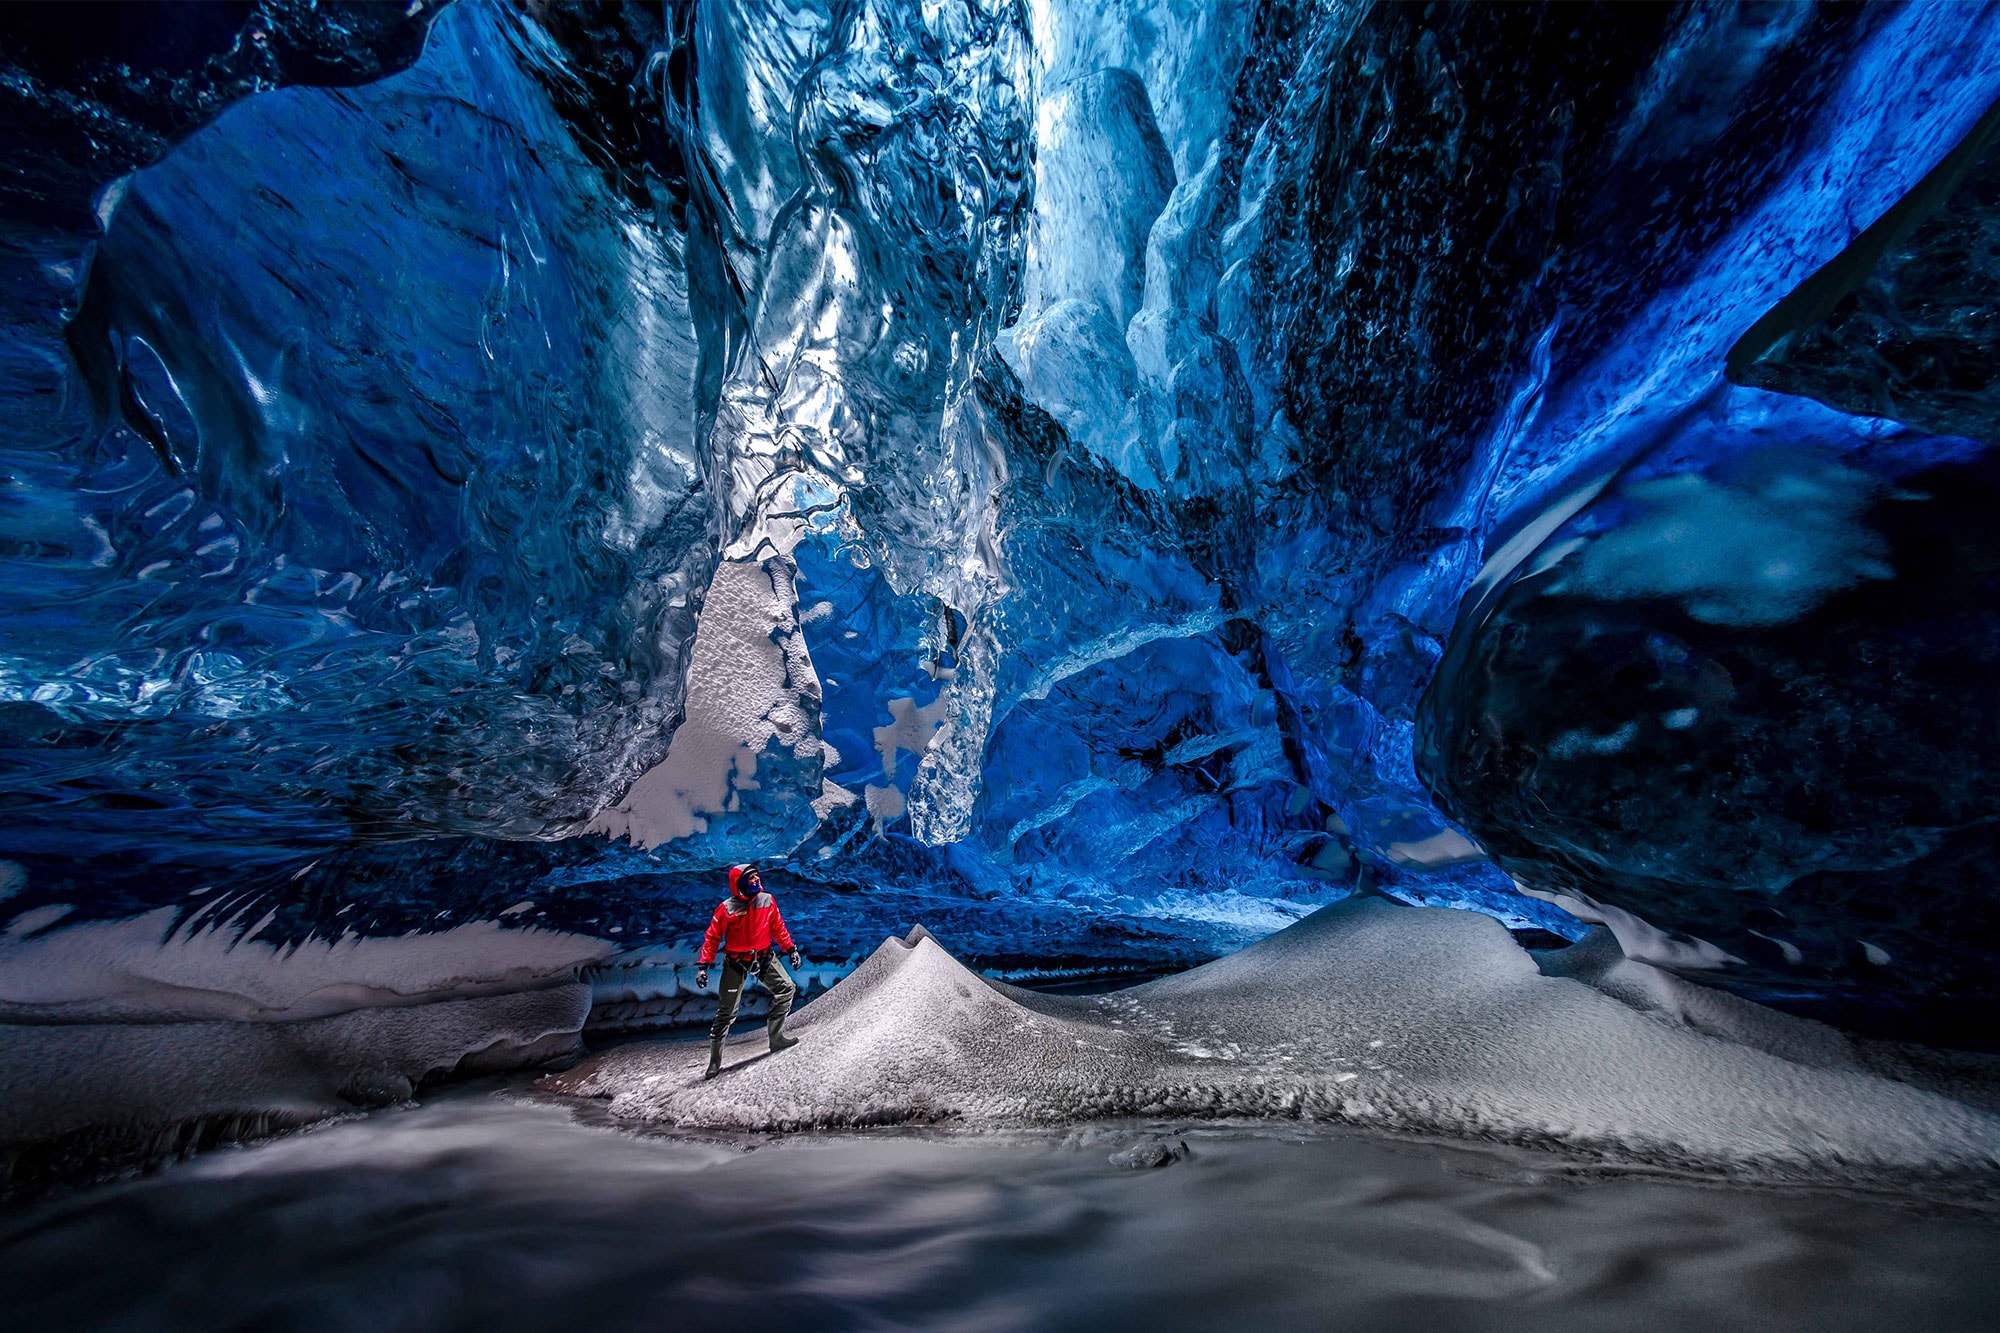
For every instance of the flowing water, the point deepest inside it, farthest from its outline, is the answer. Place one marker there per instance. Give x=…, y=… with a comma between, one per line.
x=487, y=1209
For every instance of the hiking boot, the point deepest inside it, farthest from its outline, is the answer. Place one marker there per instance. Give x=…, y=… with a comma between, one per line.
x=714, y=1059
x=779, y=1041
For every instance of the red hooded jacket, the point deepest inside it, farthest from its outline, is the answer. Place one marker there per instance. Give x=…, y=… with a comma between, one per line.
x=743, y=925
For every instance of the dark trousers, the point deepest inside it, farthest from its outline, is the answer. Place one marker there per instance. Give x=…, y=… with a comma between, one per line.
x=736, y=971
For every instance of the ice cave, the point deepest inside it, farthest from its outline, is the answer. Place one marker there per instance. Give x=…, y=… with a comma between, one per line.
x=1001, y=664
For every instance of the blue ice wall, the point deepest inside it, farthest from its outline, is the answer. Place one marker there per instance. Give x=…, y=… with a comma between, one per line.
x=362, y=458
x=1156, y=408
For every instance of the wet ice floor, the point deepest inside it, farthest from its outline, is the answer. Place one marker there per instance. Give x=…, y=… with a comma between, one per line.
x=481, y=1210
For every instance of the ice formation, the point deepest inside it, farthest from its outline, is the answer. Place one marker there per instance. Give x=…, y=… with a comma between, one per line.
x=1366, y=1013
x=119, y=1039
x=1106, y=479
x=151, y=968
x=748, y=745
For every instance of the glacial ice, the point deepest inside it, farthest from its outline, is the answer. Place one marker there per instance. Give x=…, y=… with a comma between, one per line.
x=748, y=751
x=112, y=1094
x=1111, y=477
x=117, y=1036
x=154, y=968
x=1760, y=549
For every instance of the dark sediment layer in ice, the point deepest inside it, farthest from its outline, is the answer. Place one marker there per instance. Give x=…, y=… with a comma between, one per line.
x=1406, y=1019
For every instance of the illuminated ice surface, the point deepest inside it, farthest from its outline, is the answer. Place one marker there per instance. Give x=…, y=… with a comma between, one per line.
x=1104, y=480
x=393, y=454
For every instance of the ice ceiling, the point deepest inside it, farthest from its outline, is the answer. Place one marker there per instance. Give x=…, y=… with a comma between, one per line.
x=1102, y=478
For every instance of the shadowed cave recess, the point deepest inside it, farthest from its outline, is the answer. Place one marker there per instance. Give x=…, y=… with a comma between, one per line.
x=1101, y=480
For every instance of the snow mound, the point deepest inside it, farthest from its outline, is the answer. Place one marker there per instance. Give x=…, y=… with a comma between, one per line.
x=1406, y=1019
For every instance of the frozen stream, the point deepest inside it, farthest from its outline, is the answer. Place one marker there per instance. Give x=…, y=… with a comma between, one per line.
x=483, y=1210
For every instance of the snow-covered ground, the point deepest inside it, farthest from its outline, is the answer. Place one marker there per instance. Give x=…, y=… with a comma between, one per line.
x=1366, y=1013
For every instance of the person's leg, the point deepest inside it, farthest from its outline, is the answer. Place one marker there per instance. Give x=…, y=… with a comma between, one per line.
x=727, y=996
x=779, y=983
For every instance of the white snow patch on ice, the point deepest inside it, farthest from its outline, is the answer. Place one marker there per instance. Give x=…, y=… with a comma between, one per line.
x=749, y=683
x=832, y=796
x=885, y=803
x=910, y=728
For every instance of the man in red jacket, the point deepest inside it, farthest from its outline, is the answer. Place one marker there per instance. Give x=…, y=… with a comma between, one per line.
x=743, y=928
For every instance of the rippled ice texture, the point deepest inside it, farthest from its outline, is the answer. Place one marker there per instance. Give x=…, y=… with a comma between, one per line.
x=476, y=1212
x=1030, y=455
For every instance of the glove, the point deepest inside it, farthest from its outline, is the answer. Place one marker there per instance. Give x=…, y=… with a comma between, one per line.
x=796, y=959
x=701, y=978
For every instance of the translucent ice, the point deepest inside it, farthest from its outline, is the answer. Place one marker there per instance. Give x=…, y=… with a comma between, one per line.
x=1079, y=460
